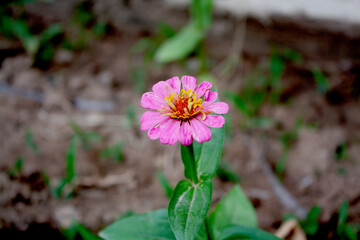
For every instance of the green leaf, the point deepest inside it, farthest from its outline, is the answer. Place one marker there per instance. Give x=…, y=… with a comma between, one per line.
x=348, y=232
x=343, y=213
x=30, y=142
x=166, y=30
x=85, y=233
x=71, y=160
x=18, y=166
x=201, y=13
x=207, y=154
x=234, y=208
x=165, y=184
x=237, y=232
x=114, y=152
x=188, y=208
x=311, y=224
x=181, y=45
x=141, y=45
x=51, y=32
x=321, y=81
x=146, y=226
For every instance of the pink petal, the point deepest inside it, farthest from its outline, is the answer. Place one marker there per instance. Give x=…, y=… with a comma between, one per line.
x=217, y=107
x=210, y=97
x=170, y=133
x=154, y=133
x=175, y=83
x=202, y=88
x=213, y=121
x=163, y=89
x=188, y=82
x=150, y=118
x=200, y=132
x=185, y=137
x=151, y=100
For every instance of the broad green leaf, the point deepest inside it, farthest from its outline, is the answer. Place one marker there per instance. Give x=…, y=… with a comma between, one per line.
x=188, y=208
x=237, y=232
x=147, y=226
x=234, y=208
x=181, y=45
x=207, y=154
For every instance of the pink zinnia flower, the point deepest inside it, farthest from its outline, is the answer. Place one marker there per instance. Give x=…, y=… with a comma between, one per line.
x=181, y=114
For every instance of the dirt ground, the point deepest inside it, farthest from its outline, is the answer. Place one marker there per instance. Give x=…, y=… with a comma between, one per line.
x=104, y=189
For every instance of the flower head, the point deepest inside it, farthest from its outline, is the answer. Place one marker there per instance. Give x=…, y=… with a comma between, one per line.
x=180, y=110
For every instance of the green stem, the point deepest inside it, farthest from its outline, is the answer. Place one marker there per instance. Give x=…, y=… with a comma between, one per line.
x=190, y=170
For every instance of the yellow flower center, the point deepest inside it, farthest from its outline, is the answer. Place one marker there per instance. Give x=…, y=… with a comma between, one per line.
x=183, y=106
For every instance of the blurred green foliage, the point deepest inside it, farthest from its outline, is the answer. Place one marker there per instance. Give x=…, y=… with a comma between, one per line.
x=17, y=168
x=341, y=151
x=79, y=231
x=114, y=152
x=30, y=141
x=321, y=81
x=345, y=230
x=146, y=47
x=42, y=44
x=189, y=37
x=287, y=139
x=261, y=86
x=311, y=223
x=226, y=173
x=14, y=26
x=165, y=184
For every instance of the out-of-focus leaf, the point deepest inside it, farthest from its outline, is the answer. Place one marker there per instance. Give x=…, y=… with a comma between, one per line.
x=114, y=152
x=321, y=81
x=292, y=55
x=51, y=32
x=226, y=173
x=85, y=233
x=181, y=45
x=71, y=160
x=201, y=13
x=343, y=212
x=30, y=142
x=166, y=30
x=165, y=184
x=141, y=45
x=311, y=224
x=234, y=208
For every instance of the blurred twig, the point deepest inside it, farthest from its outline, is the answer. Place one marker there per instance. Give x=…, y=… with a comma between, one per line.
x=258, y=150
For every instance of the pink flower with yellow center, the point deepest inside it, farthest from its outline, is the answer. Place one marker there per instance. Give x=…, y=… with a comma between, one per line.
x=180, y=110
